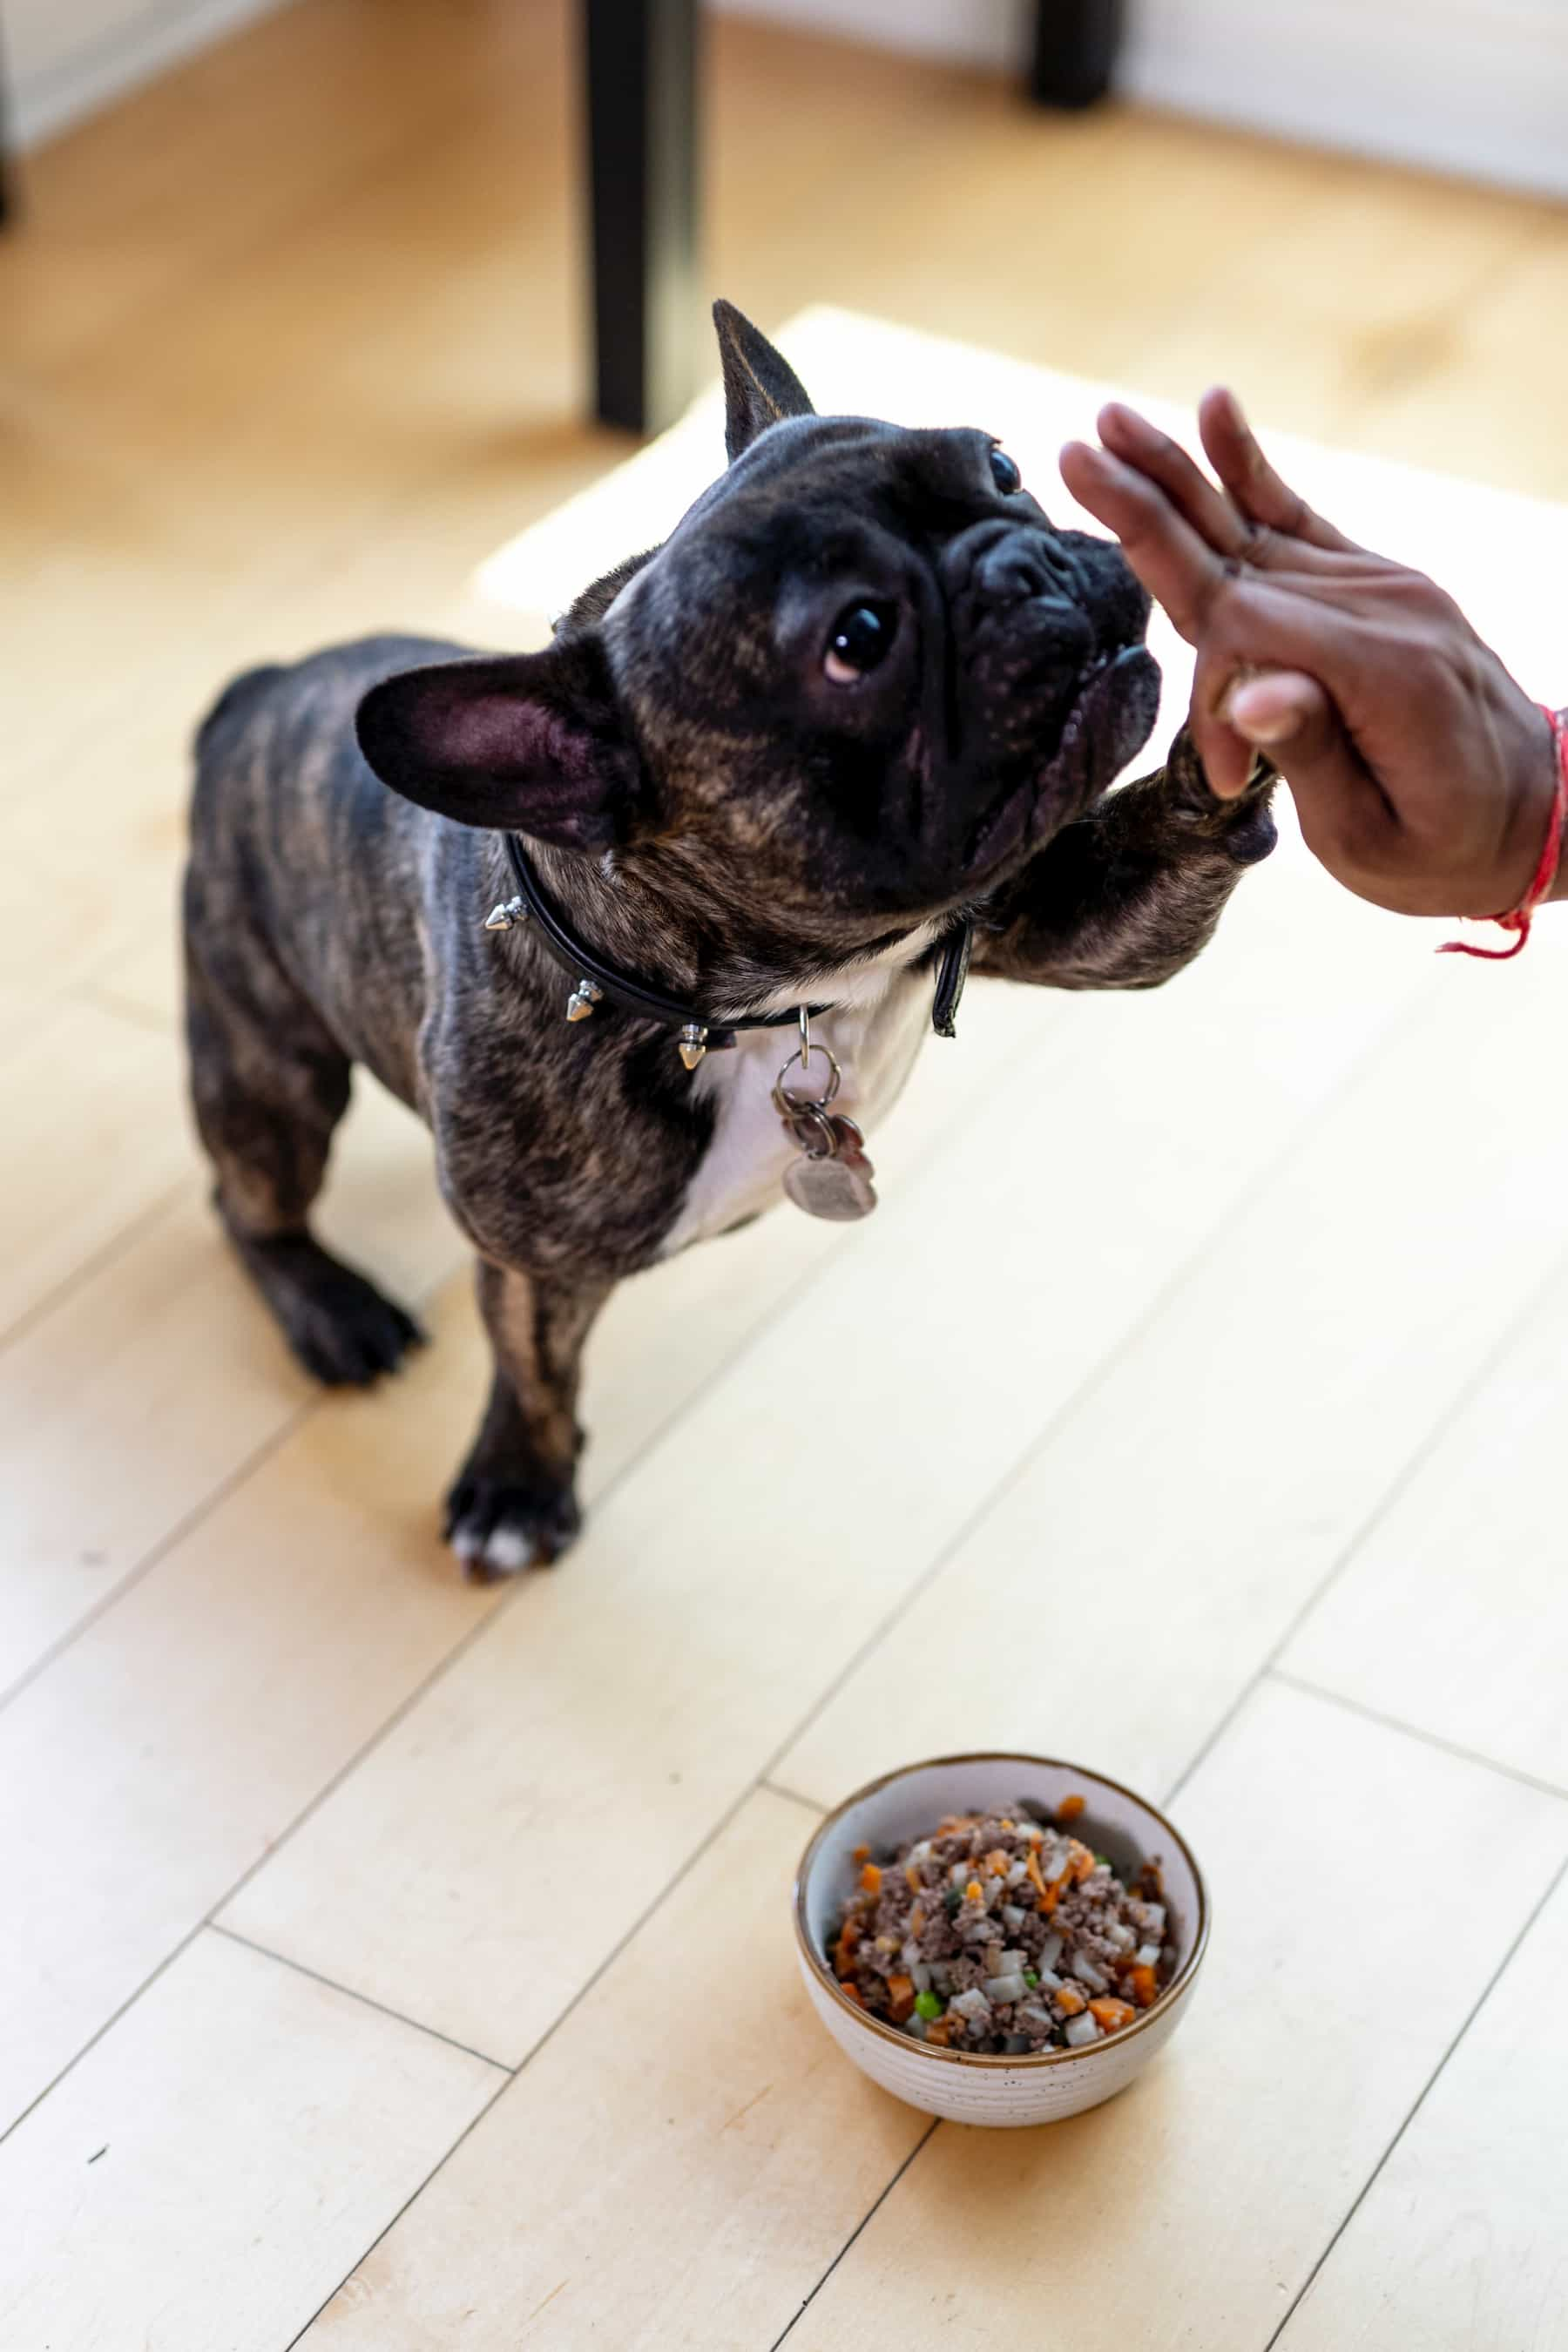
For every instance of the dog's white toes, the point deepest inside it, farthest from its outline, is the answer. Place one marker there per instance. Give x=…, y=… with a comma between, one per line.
x=507, y=1551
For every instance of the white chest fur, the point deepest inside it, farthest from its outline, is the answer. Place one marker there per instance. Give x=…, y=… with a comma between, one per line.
x=876, y=1029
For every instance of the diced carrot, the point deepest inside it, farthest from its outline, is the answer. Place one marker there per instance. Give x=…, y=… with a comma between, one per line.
x=974, y=1892
x=871, y=1879
x=1145, y=1986
x=997, y=1863
x=1070, y=1808
x=1112, y=2014
x=1032, y=1865
x=940, y=2031
x=902, y=1994
x=854, y=1993
x=913, y=1877
x=1068, y=1998
x=1007, y=1826
x=861, y=1854
x=916, y=1923
x=1080, y=1861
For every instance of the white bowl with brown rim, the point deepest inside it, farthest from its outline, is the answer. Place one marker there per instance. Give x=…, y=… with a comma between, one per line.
x=961, y=2085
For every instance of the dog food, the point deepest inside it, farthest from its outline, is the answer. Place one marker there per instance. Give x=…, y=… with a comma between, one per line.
x=1005, y=1936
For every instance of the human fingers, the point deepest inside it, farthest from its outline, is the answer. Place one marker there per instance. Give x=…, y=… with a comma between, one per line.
x=1131, y=439
x=1176, y=565
x=1232, y=450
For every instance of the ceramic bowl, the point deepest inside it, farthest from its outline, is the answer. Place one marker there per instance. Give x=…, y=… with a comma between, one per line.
x=964, y=2088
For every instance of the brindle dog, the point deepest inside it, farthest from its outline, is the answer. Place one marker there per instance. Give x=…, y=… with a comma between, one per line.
x=864, y=689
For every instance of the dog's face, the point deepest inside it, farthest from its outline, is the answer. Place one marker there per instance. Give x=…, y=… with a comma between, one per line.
x=865, y=674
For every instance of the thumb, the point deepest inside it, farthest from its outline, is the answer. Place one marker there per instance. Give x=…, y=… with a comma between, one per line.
x=1289, y=716
x=1338, y=801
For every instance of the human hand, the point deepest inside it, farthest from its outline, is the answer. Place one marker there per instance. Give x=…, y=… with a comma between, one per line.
x=1424, y=776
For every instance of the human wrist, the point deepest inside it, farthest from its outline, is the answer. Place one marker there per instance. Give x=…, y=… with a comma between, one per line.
x=1559, y=756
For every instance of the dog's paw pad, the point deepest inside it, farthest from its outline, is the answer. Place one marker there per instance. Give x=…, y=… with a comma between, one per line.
x=498, y=1530
x=346, y=1334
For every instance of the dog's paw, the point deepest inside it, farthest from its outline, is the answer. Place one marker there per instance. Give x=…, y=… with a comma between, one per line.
x=1243, y=828
x=346, y=1334
x=1252, y=833
x=337, y=1323
x=499, y=1527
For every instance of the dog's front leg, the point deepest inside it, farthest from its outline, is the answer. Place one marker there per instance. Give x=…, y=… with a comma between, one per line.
x=513, y=1504
x=1129, y=894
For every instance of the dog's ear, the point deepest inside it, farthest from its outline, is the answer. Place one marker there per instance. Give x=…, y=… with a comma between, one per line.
x=530, y=743
x=760, y=386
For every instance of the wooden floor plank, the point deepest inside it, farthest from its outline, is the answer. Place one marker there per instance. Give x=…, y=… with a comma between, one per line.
x=1459, y=2240
x=1192, y=2210
x=688, y=2151
x=207, y=2174
x=1453, y=1614
x=93, y=1138
x=1190, y=1506
x=163, y=1369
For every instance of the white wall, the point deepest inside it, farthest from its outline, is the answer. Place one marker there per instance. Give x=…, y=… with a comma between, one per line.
x=64, y=57
x=1472, y=86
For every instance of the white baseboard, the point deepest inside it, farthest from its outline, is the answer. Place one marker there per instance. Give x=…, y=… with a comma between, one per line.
x=1478, y=87
x=52, y=97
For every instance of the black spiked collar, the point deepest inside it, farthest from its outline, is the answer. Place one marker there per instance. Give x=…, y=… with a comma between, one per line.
x=696, y=1035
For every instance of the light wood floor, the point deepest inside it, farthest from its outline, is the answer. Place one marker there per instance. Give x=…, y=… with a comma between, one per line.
x=1193, y=1406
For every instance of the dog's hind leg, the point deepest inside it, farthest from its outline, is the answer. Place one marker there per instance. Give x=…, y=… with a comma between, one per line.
x=269, y=1084
x=512, y=1505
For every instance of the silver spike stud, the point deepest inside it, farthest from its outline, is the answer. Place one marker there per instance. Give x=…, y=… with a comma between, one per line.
x=505, y=914
x=692, y=1044
x=582, y=999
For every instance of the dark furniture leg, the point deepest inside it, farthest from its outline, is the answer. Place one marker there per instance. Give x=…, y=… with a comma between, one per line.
x=1076, y=47
x=642, y=130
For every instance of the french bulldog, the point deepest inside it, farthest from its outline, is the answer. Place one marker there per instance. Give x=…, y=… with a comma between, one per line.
x=864, y=702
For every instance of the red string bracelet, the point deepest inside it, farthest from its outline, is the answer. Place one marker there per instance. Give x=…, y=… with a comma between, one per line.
x=1519, y=918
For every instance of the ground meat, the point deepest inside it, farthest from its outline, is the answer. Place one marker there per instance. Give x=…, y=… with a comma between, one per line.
x=1004, y=1934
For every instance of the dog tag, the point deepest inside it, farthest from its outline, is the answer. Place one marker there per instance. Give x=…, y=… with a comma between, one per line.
x=848, y=1143
x=831, y=1188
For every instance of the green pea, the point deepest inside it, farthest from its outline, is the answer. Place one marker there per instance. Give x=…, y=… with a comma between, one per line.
x=1031, y=1978
x=927, y=2006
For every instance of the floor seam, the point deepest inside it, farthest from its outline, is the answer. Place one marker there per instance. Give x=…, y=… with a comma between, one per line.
x=1090, y=1387
x=1367, y=2185
x=649, y=1912
x=118, y=1243
x=1417, y=1731
x=352, y=1992
x=1404, y=1478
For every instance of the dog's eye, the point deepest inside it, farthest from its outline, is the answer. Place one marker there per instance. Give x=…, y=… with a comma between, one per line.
x=861, y=641
x=1005, y=473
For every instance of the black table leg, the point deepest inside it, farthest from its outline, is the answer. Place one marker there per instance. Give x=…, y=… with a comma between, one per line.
x=1076, y=47
x=642, y=128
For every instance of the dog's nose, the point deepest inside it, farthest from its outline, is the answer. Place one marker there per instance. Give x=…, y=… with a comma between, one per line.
x=1000, y=564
